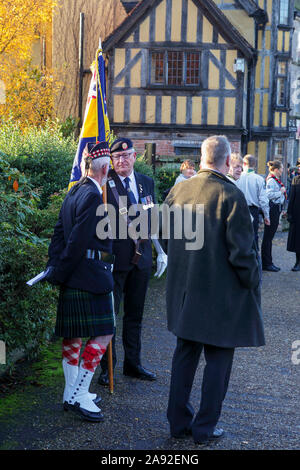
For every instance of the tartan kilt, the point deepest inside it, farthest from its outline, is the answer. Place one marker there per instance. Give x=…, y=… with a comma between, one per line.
x=83, y=314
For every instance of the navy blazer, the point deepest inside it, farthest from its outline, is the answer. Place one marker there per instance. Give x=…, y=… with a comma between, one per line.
x=74, y=233
x=124, y=249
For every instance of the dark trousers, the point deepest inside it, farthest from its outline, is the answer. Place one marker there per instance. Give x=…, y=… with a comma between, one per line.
x=269, y=232
x=214, y=387
x=132, y=285
x=254, y=211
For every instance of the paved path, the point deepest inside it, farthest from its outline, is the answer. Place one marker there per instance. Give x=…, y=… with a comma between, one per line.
x=261, y=409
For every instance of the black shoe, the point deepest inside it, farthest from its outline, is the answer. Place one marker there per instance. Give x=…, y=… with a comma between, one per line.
x=103, y=378
x=276, y=267
x=217, y=434
x=296, y=267
x=271, y=268
x=183, y=435
x=139, y=373
x=92, y=416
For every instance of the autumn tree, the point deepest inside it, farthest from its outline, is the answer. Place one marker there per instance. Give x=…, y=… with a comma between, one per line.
x=29, y=87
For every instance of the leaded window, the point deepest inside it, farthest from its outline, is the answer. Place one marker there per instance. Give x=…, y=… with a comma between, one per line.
x=175, y=68
x=281, y=82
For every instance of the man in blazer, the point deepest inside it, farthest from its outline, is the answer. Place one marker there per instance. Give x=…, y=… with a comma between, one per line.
x=81, y=264
x=133, y=258
x=213, y=298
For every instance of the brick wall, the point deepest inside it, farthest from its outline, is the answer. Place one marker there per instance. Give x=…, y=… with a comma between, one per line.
x=166, y=147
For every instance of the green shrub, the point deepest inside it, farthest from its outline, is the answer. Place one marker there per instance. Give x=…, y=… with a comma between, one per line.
x=68, y=127
x=143, y=167
x=43, y=154
x=165, y=178
x=26, y=313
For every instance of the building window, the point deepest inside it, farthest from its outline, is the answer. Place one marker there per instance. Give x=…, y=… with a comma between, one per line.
x=175, y=68
x=281, y=82
x=157, y=68
x=284, y=12
x=187, y=151
x=279, y=148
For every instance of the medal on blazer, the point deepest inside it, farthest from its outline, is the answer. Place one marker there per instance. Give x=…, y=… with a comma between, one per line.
x=147, y=202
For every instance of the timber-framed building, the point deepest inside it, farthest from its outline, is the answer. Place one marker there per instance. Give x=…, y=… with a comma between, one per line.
x=181, y=70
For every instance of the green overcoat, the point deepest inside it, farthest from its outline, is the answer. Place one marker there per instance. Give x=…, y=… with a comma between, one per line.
x=213, y=289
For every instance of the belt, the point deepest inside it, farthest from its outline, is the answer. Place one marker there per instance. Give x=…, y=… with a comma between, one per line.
x=100, y=255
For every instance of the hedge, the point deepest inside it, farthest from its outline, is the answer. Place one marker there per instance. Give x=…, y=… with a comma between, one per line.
x=43, y=154
x=26, y=314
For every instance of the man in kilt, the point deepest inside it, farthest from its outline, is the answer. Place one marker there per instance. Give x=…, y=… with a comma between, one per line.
x=81, y=264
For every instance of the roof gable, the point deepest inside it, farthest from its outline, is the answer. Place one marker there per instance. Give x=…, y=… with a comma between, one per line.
x=208, y=8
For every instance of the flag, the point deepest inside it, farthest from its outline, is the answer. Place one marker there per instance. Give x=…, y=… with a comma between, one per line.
x=95, y=124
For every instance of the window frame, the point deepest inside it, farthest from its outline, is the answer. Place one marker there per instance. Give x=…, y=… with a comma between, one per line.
x=284, y=77
x=289, y=20
x=165, y=83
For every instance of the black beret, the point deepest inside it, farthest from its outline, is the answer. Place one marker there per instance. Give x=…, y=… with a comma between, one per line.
x=120, y=145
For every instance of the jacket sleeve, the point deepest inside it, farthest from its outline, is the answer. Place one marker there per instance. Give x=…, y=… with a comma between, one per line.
x=240, y=242
x=84, y=229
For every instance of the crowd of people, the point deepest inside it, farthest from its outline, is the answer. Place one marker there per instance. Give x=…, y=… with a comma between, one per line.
x=213, y=293
x=271, y=199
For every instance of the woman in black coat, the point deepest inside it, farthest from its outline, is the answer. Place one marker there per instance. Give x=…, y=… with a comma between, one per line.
x=293, y=215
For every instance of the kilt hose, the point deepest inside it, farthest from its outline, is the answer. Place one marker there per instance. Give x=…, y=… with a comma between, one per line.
x=82, y=314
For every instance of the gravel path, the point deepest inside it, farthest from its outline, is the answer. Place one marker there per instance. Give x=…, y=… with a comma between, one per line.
x=261, y=409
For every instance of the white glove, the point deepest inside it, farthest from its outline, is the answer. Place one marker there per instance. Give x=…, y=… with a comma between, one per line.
x=162, y=261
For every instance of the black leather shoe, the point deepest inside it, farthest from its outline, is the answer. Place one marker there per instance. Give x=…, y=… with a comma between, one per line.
x=217, y=434
x=94, y=417
x=296, y=267
x=276, y=267
x=103, y=378
x=139, y=373
x=183, y=435
x=271, y=268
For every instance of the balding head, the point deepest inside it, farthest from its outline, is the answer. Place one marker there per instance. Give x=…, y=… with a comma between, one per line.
x=215, y=153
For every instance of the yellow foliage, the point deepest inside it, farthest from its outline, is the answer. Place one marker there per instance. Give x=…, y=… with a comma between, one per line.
x=21, y=21
x=28, y=90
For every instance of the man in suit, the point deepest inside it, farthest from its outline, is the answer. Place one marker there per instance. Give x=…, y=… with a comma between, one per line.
x=213, y=298
x=81, y=264
x=133, y=263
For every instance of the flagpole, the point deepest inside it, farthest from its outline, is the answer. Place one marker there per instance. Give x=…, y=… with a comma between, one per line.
x=109, y=347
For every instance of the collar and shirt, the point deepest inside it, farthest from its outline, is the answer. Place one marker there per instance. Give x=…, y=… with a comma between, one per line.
x=132, y=184
x=253, y=187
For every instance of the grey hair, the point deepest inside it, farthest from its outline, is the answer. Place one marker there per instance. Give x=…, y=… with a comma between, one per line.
x=96, y=164
x=215, y=150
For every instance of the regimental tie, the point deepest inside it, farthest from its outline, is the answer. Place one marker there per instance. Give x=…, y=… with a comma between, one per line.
x=131, y=197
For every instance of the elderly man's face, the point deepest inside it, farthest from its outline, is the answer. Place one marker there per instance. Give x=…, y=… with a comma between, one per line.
x=123, y=162
x=235, y=169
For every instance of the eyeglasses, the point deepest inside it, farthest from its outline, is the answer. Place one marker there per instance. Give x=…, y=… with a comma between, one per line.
x=126, y=156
